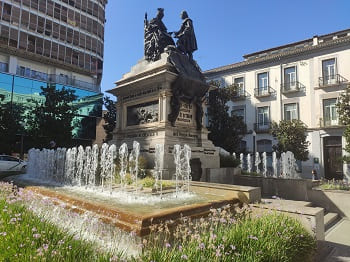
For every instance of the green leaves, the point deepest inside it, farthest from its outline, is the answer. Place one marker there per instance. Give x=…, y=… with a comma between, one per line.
x=110, y=117
x=291, y=136
x=226, y=130
x=51, y=120
x=343, y=109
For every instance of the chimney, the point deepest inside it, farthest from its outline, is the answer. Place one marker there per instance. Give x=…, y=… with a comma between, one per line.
x=315, y=40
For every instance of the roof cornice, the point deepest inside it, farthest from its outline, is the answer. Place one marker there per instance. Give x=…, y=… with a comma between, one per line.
x=278, y=56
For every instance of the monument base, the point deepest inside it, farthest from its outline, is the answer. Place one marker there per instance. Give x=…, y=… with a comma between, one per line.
x=143, y=105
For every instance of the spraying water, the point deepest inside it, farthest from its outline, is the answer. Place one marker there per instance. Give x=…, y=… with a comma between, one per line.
x=257, y=162
x=158, y=167
x=264, y=162
x=123, y=162
x=249, y=164
x=274, y=164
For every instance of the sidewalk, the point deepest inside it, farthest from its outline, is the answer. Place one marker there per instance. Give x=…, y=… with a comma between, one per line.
x=336, y=248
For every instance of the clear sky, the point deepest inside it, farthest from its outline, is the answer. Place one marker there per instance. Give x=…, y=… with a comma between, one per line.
x=225, y=29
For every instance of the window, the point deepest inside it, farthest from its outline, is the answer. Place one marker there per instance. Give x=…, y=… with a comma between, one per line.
x=6, y=12
x=263, y=118
x=239, y=111
x=290, y=77
x=239, y=82
x=291, y=111
x=330, y=112
x=3, y=67
x=263, y=83
x=329, y=71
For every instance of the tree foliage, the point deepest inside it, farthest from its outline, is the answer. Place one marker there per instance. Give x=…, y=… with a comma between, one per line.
x=291, y=136
x=51, y=120
x=110, y=117
x=10, y=125
x=343, y=109
x=226, y=130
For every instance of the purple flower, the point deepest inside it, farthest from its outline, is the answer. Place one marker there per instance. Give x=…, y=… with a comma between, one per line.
x=167, y=245
x=253, y=237
x=201, y=246
x=36, y=236
x=184, y=257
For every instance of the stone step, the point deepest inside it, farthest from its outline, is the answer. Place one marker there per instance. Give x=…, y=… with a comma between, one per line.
x=284, y=202
x=330, y=220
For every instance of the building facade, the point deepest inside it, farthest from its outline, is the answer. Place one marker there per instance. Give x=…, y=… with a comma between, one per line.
x=301, y=80
x=54, y=42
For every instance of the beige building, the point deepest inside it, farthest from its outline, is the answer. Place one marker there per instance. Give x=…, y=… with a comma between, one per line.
x=300, y=80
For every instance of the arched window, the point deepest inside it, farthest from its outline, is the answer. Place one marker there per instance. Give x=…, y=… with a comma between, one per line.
x=264, y=145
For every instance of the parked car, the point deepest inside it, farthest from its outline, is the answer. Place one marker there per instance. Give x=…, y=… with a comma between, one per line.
x=12, y=164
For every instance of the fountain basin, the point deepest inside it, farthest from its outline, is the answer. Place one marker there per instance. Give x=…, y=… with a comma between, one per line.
x=138, y=218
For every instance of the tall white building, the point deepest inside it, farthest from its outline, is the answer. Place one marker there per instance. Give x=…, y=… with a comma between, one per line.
x=301, y=80
x=54, y=42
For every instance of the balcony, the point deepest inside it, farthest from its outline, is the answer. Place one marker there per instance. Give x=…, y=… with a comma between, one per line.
x=262, y=127
x=263, y=91
x=329, y=122
x=291, y=87
x=57, y=79
x=240, y=95
x=331, y=80
x=65, y=80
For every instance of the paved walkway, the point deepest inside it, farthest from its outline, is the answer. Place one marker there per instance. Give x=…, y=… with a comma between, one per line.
x=336, y=248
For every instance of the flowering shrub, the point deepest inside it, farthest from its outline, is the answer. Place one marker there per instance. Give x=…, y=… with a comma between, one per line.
x=27, y=237
x=227, y=237
x=335, y=185
x=29, y=232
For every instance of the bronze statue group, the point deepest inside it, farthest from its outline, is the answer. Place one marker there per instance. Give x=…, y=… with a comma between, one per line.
x=190, y=85
x=157, y=38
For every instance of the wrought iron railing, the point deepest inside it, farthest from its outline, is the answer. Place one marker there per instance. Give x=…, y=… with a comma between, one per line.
x=241, y=95
x=331, y=80
x=289, y=87
x=263, y=91
x=262, y=127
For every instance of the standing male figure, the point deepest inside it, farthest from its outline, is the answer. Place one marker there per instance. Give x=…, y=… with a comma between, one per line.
x=186, y=42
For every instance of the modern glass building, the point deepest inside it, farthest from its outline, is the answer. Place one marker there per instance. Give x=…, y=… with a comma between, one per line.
x=60, y=42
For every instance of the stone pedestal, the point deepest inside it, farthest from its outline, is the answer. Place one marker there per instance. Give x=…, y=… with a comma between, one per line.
x=143, y=105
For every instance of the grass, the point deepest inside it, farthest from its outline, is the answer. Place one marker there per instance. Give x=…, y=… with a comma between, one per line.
x=335, y=185
x=149, y=182
x=26, y=237
x=226, y=237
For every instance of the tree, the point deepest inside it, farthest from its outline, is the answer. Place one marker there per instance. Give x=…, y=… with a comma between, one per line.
x=226, y=130
x=51, y=120
x=343, y=109
x=291, y=136
x=110, y=117
x=10, y=125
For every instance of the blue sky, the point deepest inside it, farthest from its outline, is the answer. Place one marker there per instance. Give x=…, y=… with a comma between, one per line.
x=225, y=29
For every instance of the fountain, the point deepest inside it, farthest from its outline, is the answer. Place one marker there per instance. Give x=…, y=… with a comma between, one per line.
x=257, y=162
x=264, y=161
x=288, y=165
x=105, y=181
x=274, y=164
x=158, y=167
x=241, y=158
x=249, y=164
